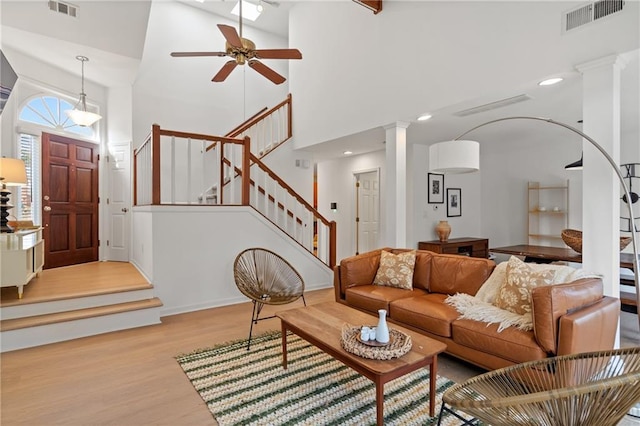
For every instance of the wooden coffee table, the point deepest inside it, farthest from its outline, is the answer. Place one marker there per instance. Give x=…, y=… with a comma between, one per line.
x=321, y=325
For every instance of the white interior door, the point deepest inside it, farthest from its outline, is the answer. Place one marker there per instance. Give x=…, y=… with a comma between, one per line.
x=368, y=211
x=119, y=201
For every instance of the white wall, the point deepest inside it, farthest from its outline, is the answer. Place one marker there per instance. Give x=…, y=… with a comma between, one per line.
x=400, y=73
x=194, y=250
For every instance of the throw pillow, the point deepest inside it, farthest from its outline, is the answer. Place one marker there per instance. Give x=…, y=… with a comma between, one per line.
x=515, y=293
x=396, y=270
x=489, y=290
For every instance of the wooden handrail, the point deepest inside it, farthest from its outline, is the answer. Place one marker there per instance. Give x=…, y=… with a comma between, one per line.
x=155, y=165
x=290, y=190
x=251, y=119
x=255, y=120
x=199, y=136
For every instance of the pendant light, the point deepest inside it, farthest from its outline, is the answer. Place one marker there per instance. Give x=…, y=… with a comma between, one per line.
x=79, y=114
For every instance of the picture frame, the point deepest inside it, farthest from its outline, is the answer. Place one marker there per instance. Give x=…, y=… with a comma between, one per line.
x=454, y=202
x=435, y=188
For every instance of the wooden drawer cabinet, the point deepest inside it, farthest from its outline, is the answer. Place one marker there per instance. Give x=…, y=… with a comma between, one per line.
x=474, y=247
x=21, y=258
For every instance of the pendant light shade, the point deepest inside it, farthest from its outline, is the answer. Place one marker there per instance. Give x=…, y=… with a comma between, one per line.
x=576, y=165
x=79, y=114
x=454, y=157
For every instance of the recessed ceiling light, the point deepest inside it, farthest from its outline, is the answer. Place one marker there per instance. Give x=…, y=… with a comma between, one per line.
x=249, y=10
x=347, y=152
x=550, y=81
x=424, y=117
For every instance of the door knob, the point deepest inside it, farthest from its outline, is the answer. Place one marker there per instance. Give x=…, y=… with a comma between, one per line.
x=47, y=208
x=124, y=210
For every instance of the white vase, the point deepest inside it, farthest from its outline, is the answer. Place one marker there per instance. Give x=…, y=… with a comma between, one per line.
x=382, y=331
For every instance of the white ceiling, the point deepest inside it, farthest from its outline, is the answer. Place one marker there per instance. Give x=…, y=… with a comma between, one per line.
x=112, y=35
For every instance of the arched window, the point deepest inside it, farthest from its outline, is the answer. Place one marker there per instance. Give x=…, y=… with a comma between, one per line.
x=49, y=111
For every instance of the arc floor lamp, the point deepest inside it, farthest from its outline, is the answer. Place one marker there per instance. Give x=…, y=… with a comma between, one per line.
x=463, y=156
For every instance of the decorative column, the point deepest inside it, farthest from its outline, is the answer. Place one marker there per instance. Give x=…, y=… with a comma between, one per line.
x=396, y=184
x=601, y=188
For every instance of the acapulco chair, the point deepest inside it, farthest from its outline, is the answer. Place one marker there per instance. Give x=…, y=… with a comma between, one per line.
x=594, y=388
x=267, y=279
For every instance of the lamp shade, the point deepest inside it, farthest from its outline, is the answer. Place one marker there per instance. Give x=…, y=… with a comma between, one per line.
x=454, y=157
x=576, y=165
x=13, y=171
x=82, y=118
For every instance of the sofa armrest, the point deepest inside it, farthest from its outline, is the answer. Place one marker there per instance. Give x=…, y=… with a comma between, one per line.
x=590, y=329
x=356, y=270
x=549, y=303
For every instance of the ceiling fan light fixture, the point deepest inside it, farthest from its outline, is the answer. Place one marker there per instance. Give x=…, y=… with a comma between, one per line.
x=249, y=10
x=79, y=114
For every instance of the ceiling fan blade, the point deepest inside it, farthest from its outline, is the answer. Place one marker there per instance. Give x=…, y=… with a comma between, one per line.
x=278, y=54
x=231, y=35
x=267, y=72
x=224, y=71
x=188, y=54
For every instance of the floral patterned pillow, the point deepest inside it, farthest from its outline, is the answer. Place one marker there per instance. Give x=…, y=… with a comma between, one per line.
x=515, y=293
x=396, y=270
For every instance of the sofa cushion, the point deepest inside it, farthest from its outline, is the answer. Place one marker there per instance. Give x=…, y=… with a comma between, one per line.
x=452, y=274
x=551, y=302
x=428, y=312
x=515, y=292
x=396, y=270
x=358, y=270
x=374, y=297
x=512, y=344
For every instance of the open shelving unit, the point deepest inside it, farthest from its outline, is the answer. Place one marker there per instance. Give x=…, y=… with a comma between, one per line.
x=548, y=213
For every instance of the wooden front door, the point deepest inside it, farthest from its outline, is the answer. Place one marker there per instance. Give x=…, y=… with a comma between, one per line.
x=69, y=200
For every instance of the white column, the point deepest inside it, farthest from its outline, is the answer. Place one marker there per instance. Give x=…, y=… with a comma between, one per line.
x=396, y=184
x=601, y=187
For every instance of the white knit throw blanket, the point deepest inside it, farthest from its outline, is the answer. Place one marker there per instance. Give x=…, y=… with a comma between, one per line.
x=475, y=309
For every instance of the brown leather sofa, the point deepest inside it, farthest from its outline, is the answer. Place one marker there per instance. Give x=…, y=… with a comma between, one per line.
x=567, y=318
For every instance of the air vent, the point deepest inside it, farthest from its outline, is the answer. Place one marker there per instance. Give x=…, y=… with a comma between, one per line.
x=591, y=12
x=492, y=105
x=64, y=8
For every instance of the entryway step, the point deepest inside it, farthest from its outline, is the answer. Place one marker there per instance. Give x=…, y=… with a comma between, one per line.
x=58, y=317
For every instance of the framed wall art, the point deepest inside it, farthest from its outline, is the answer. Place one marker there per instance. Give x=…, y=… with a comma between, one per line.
x=454, y=202
x=435, y=189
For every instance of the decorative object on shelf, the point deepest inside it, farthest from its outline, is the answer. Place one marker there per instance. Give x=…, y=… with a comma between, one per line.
x=573, y=238
x=631, y=173
x=435, y=184
x=399, y=344
x=454, y=202
x=12, y=172
x=443, y=229
x=472, y=152
x=79, y=113
x=382, y=330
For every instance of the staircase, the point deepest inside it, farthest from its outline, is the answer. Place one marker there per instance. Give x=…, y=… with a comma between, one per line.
x=231, y=171
x=61, y=305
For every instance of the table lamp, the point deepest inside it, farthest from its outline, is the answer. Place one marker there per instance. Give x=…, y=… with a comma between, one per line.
x=12, y=172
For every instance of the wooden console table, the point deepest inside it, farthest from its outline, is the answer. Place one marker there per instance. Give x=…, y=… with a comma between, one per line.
x=474, y=247
x=542, y=254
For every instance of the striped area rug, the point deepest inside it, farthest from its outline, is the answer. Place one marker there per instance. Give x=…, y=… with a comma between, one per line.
x=252, y=388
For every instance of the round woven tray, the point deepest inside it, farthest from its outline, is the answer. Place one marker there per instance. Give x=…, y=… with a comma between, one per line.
x=399, y=344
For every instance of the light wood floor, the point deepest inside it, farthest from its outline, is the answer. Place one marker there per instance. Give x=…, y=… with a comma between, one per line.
x=76, y=281
x=130, y=377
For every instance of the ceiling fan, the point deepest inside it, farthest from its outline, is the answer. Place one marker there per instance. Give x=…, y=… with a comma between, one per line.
x=243, y=51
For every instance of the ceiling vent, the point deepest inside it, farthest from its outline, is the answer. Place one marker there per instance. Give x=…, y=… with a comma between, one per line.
x=590, y=12
x=492, y=105
x=64, y=8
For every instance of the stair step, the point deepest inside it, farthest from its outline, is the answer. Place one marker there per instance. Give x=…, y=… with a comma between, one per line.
x=79, y=314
